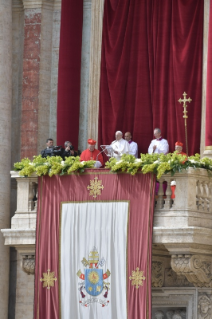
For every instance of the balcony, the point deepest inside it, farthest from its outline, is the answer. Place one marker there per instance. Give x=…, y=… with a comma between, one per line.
x=182, y=237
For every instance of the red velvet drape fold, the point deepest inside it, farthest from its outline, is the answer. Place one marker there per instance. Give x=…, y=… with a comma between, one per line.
x=208, y=132
x=151, y=54
x=68, y=101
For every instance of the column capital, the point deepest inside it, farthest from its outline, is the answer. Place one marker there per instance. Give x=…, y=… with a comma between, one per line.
x=17, y=5
x=36, y=4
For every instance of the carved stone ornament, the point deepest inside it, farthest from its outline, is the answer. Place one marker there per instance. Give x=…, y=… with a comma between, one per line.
x=196, y=268
x=172, y=279
x=204, y=306
x=28, y=264
x=157, y=274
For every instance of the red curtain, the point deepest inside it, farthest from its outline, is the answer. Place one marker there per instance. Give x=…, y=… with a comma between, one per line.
x=208, y=133
x=151, y=54
x=139, y=191
x=69, y=69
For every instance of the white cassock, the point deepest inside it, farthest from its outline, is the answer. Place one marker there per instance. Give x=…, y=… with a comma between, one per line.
x=121, y=146
x=162, y=146
x=133, y=149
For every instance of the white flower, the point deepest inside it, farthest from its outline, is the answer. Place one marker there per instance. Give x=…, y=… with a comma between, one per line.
x=138, y=160
x=173, y=183
x=120, y=161
x=83, y=162
x=63, y=163
x=47, y=164
x=193, y=161
x=156, y=162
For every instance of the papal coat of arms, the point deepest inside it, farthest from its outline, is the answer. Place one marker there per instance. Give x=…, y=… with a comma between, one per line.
x=93, y=286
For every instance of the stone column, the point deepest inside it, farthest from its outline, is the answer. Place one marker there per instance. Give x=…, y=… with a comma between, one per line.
x=205, y=150
x=5, y=133
x=45, y=74
x=97, y=9
x=85, y=68
x=54, y=70
x=36, y=75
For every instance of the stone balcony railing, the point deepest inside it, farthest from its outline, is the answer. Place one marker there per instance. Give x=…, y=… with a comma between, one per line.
x=182, y=227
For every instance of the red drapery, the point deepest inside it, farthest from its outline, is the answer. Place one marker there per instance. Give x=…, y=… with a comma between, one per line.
x=151, y=54
x=69, y=72
x=208, y=133
x=138, y=190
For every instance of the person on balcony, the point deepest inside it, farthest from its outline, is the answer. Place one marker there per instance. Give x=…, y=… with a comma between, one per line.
x=92, y=154
x=120, y=146
x=179, y=148
x=68, y=150
x=159, y=144
x=133, y=145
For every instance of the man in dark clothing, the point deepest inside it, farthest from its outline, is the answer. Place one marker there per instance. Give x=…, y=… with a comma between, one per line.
x=69, y=150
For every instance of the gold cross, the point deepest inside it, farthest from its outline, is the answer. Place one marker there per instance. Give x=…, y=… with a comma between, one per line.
x=95, y=187
x=137, y=278
x=184, y=100
x=48, y=279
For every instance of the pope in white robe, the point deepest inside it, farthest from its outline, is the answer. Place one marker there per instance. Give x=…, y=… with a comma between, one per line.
x=120, y=146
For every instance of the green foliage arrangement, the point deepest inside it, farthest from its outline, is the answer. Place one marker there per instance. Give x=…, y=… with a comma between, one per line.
x=52, y=166
x=158, y=164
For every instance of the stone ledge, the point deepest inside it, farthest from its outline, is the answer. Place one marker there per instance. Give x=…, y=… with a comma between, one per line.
x=19, y=237
x=185, y=240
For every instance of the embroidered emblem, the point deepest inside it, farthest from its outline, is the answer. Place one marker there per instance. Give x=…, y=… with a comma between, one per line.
x=137, y=278
x=95, y=187
x=48, y=279
x=92, y=287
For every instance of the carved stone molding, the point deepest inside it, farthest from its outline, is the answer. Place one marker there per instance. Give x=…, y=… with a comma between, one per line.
x=157, y=274
x=196, y=268
x=172, y=279
x=28, y=264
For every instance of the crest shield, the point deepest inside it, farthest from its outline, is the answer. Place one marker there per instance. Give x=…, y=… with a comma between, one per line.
x=94, y=281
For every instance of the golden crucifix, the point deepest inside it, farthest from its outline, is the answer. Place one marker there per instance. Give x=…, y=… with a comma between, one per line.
x=185, y=116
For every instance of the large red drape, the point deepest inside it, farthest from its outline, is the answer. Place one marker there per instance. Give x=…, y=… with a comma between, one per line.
x=151, y=54
x=69, y=72
x=139, y=191
x=208, y=132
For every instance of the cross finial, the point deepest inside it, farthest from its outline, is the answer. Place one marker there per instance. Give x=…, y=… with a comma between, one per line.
x=184, y=100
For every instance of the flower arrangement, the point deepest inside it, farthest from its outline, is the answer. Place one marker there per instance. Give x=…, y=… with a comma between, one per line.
x=158, y=164
x=51, y=166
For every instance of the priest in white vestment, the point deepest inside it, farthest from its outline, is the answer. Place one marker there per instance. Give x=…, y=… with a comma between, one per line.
x=120, y=146
x=159, y=144
x=133, y=145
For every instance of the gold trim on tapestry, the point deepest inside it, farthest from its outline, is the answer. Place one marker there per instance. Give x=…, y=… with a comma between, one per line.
x=60, y=219
x=208, y=148
x=38, y=243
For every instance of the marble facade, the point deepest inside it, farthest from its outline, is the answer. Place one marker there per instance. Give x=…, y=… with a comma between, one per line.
x=182, y=239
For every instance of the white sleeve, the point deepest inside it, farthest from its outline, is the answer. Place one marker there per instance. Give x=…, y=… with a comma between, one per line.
x=150, y=149
x=133, y=149
x=163, y=147
x=97, y=164
x=125, y=148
